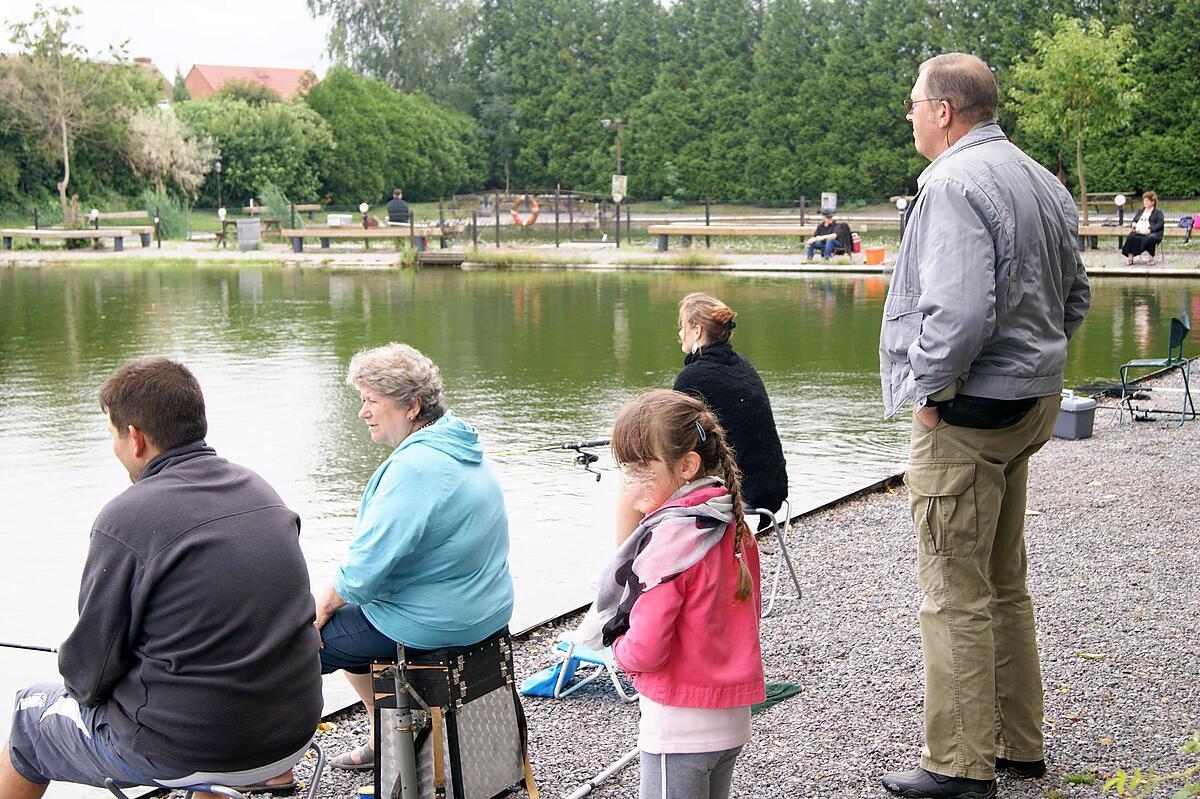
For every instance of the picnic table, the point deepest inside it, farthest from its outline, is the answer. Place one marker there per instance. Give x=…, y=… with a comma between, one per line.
x=302, y=208
x=231, y=222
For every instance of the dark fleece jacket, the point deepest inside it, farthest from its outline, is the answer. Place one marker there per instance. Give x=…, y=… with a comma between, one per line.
x=732, y=388
x=195, y=623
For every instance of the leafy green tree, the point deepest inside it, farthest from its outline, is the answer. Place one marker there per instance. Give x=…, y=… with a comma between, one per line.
x=248, y=92
x=388, y=138
x=165, y=151
x=1076, y=85
x=285, y=144
x=179, y=89
x=413, y=45
x=55, y=93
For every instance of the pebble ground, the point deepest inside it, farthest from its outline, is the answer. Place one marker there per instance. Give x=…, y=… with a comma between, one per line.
x=1112, y=535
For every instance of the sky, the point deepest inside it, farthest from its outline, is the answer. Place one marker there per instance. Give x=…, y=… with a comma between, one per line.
x=179, y=33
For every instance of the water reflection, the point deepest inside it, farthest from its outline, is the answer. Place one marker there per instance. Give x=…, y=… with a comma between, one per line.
x=530, y=358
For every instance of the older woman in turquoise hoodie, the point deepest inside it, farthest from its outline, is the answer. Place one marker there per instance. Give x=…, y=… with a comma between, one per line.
x=428, y=566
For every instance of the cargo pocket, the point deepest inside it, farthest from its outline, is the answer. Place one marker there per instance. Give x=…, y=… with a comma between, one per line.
x=943, y=507
x=901, y=325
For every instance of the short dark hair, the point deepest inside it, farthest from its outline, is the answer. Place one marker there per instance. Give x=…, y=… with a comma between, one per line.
x=965, y=82
x=159, y=397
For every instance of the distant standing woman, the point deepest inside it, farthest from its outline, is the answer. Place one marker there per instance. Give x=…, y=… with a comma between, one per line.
x=730, y=384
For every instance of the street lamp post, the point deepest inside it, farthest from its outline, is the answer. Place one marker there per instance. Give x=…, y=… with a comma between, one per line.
x=217, y=167
x=901, y=204
x=618, y=126
x=1120, y=201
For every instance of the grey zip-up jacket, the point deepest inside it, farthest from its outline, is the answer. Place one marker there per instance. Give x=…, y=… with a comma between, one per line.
x=988, y=286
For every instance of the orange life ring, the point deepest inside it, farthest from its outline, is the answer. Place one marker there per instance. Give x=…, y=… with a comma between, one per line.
x=532, y=204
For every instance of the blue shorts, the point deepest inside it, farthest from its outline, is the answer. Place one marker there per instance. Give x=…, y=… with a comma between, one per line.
x=352, y=642
x=54, y=738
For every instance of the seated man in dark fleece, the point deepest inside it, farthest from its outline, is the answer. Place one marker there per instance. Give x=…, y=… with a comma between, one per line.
x=195, y=659
x=397, y=208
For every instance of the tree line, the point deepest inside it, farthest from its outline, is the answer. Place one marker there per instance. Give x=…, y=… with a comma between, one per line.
x=737, y=100
x=768, y=100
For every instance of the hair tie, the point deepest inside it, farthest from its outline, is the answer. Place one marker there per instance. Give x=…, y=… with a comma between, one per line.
x=730, y=325
x=700, y=430
x=737, y=555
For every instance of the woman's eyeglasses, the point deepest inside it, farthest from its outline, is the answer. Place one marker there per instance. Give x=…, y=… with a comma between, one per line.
x=909, y=102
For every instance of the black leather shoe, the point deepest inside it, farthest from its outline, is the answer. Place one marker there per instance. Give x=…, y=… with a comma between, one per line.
x=920, y=783
x=1025, y=769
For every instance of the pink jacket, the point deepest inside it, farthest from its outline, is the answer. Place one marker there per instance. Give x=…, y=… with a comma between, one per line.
x=691, y=643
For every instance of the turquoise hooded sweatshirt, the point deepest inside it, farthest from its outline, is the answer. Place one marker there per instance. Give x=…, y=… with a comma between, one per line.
x=429, y=560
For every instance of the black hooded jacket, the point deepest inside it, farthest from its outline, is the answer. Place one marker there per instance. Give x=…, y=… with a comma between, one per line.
x=732, y=388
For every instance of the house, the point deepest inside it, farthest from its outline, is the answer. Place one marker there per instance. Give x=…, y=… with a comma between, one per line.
x=204, y=80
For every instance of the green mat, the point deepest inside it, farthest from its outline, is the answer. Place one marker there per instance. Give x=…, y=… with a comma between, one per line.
x=776, y=693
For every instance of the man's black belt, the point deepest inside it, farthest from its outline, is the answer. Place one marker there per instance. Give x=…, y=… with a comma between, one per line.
x=983, y=413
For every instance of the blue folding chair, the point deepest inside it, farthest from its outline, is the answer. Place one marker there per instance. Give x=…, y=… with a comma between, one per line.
x=587, y=664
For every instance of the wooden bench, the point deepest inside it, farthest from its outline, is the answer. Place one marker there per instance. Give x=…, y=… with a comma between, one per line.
x=686, y=232
x=145, y=231
x=117, y=234
x=1088, y=233
x=417, y=233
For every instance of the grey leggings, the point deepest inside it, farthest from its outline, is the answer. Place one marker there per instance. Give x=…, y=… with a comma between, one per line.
x=705, y=775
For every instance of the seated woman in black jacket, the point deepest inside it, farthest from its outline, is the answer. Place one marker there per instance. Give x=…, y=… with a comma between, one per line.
x=729, y=383
x=1148, y=224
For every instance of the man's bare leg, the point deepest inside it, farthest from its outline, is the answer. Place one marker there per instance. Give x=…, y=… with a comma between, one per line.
x=13, y=785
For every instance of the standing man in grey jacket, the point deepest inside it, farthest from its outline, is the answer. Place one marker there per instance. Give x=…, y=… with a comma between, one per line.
x=987, y=290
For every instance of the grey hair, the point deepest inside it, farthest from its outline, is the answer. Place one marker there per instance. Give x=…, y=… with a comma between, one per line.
x=966, y=82
x=403, y=373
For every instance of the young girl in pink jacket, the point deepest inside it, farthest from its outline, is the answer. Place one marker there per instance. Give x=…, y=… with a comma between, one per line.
x=680, y=602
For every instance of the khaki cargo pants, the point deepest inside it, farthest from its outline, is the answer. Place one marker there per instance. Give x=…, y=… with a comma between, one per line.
x=983, y=684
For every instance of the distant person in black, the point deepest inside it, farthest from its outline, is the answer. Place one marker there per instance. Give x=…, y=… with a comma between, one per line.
x=398, y=209
x=825, y=238
x=1147, y=230
x=732, y=388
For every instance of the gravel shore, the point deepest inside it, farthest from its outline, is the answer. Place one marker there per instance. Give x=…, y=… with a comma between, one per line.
x=1112, y=537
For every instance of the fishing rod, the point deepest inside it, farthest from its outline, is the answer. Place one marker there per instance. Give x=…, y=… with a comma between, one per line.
x=29, y=647
x=583, y=457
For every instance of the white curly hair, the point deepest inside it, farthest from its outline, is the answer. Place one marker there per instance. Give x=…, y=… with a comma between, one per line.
x=403, y=373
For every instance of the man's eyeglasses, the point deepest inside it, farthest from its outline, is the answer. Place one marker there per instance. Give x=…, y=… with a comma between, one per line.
x=909, y=102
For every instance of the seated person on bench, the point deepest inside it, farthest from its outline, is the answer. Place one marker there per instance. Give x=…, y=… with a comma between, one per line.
x=194, y=660
x=826, y=237
x=1146, y=230
x=397, y=208
x=428, y=566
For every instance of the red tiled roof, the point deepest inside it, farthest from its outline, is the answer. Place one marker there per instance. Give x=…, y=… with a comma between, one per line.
x=206, y=79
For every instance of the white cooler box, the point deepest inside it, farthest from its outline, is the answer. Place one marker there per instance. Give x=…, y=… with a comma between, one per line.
x=1076, y=417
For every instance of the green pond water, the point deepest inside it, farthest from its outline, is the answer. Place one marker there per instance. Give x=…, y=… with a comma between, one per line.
x=530, y=358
